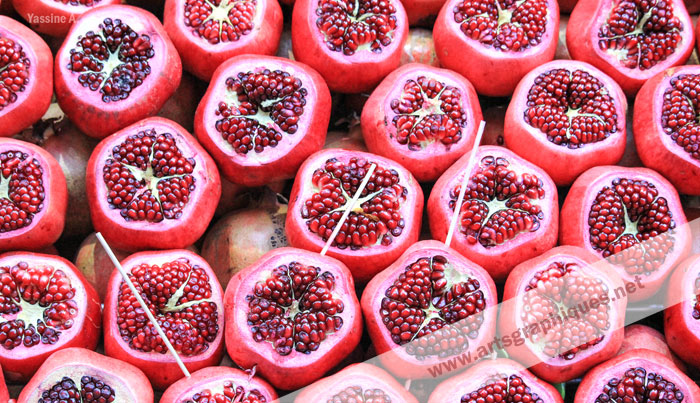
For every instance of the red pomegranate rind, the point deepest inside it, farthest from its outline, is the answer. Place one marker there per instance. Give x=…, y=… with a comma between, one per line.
x=152, y=186
x=641, y=336
x=262, y=116
x=384, y=223
x=682, y=315
x=183, y=294
x=220, y=384
x=495, y=43
x=292, y=337
x=499, y=226
x=47, y=306
x=423, y=117
x=567, y=6
x=26, y=77
x=630, y=40
x=33, y=197
x=502, y=380
x=103, y=87
x=455, y=306
x=666, y=128
x=422, y=12
x=207, y=33
x=651, y=373
x=353, y=44
x=4, y=394
x=551, y=297
x=633, y=218
x=119, y=380
x=55, y=17
x=361, y=382
x=567, y=117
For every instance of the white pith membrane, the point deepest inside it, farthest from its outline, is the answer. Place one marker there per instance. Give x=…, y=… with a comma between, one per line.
x=75, y=372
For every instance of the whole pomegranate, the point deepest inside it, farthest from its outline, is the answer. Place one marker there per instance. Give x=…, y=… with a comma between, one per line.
x=641, y=336
x=682, y=315
x=220, y=385
x=55, y=17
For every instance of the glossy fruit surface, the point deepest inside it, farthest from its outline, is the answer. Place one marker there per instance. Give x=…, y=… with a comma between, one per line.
x=55, y=17
x=220, y=384
x=641, y=336
x=682, y=317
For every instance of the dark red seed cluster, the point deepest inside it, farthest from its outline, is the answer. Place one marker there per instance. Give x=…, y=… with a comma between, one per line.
x=148, y=178
x=641, y=33
x=376, y=217
x=92, y=390
x=505, y=25
x=433, y=309
x=643, y=246
x=231, y=393
x=499, y=203
x=355, y=394
x=21, y=190
x=428, y=111
x=355, y=25
x=269, y=103
x=219, y=21
x=572, y=108
x=114, y=60
x=36, y=305
x=639, y=386
x=295, y=308
x=680, y=112
x=14, y=71
x=178, y=294
x=503, y=389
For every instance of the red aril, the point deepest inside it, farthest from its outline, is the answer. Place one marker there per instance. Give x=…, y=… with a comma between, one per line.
x=682, y=314
x=152, y=186
x=666, y=128
x=385, y=221
x=33, y=196
x=565, y=305
x=500, y=380
x=495, y=43
x=423, y=117
x=293, y=315
x=26, y=77
x=510, y=211
x=55, y=17
x=207, y=33
x=641, y=336
x=262, y=116
x=631, y=41
x=85, y=376
x=220, y=385
x=353, y=44
x=182, y=293
x=429, y=305
x=47, y=306
x=633, y=218
x=566, y=117
x=420, y=48
x=116, y=67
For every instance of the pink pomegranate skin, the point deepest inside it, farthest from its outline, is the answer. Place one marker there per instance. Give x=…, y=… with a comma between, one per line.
x=681, y=325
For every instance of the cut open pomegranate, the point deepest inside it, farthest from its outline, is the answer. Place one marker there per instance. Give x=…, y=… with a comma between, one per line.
x=422, y=117
x=510, y=211
x=566, y=117
x=682, y=315
x=46, y=306
x=385, y=221
x=262, y=116
x=55, y=17
x=207, y=33
x=293, y=315
x=220, y=385
x=182, y=292
x=116, y=67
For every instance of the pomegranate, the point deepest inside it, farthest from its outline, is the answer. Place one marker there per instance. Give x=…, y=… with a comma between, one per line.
x=643, y=376
x=4, y=394
x=55, y=17
x=682, y=315
x=420, y=48
x=494, y=43
x=422, y=12
x=151, y=185
x=293, y=315
x=385, y=221
x=33, y=196
x=429, y=305
x=633, y=218
x=353, y=44
x=693, y=6
x=26, y=77
x=262, y=116
x=500, y=380
x=182, y=293
x=220, y=385
x=116, y=67
x=567, y=6
x=630, y=40
x=80, y=375
x=47, y=305
x=422, y=117
x=568, y=307
x=565, y=117
x=510, y=211
x=351, y=140
x=207, y=33
x=181, y=106
x=640, y=336
x=357, y=383
x=666, y=126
